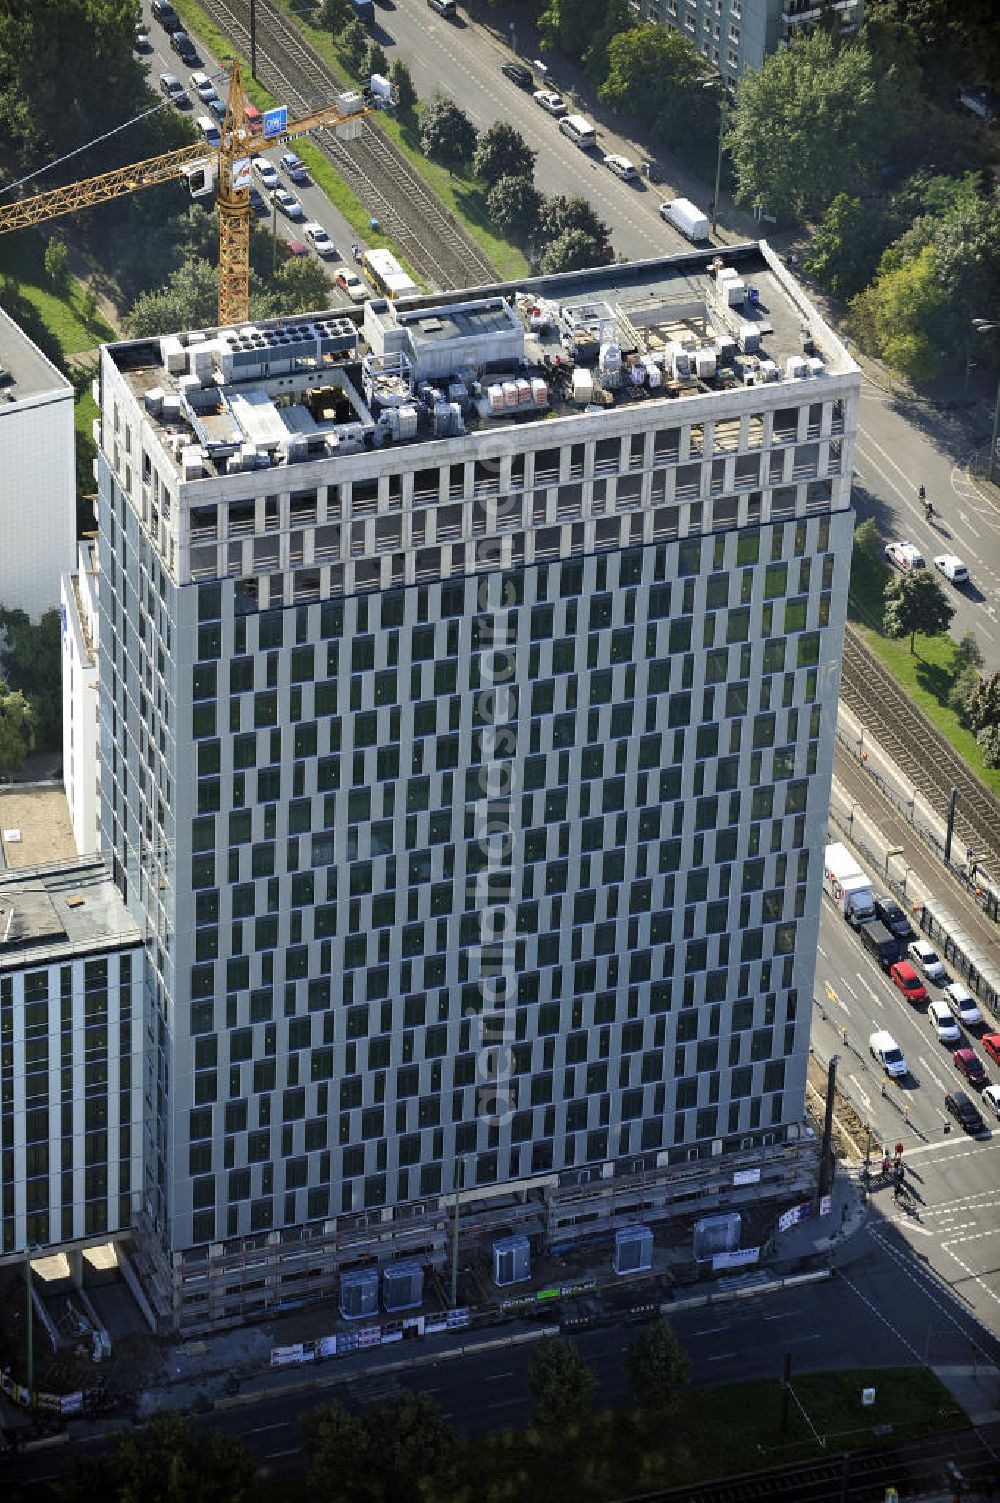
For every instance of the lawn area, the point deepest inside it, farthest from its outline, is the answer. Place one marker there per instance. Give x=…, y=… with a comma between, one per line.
x=62, y=314
x=926, y=674
x=614, y=1457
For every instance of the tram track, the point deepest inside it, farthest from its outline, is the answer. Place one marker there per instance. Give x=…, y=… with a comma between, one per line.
x=430, y=238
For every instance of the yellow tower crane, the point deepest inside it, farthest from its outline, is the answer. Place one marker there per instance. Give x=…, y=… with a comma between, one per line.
x=233, y=157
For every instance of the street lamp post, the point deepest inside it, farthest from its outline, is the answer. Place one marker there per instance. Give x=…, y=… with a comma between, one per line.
x=718, y=162
x=988, y=326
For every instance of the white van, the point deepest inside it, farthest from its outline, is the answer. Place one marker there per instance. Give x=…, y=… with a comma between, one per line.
x=579, y=131
x=209, y=129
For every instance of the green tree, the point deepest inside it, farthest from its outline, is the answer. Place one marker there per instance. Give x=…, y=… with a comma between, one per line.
x=561, y=1384
x=400, y=75
x=561, y=213
x=658, y=1370
x=968, y=653
x=168, y=1461
x=399, y=1450
x=988, y=740
x=57, y=264
x=16, y=723
x=334, y=15
x=916, y=603
x=844, y=251
x=656, y=74
x=583, y=29
x=902, y=317
x=573, y=250
x=375, y=60
x=189, y=300
x=354, y=46
x=88, y=305
x=302, y=285
x=515, y=204
x=982, y=706
x=31, y=661
x=814, y=121
x=867, y=543
x=503, y=152
x=447, y=135
x=963, y=692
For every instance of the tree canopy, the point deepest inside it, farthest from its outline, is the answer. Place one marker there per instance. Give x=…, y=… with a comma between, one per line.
x=447, y=135
x=916, y=603
x=31, y=661
x=658, y=1369
x=561, y=1384
x=168, y=1461
x=657, y=75
x=817, y=119
x=399, y=1450
x=503, y=152
x=515, y=203
x=16, y=722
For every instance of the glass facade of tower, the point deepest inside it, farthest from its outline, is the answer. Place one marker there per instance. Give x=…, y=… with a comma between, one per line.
x=447, y=856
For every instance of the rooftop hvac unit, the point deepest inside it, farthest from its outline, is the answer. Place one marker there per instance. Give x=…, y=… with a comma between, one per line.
x=402, y=1286
x=705, y=362
x=795, y=367
x=749, y=338
x=816, y=366
x=633, y=1249
x=359, y=1293
x=511, y=1261
x=769, y=370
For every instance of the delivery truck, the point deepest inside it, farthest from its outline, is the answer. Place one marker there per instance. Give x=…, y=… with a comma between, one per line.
x=686, y=217
x=847, y=885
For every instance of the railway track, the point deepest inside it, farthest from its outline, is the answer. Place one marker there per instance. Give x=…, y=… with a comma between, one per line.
x=429, y=237
x=919, y=749
x=916, y=1469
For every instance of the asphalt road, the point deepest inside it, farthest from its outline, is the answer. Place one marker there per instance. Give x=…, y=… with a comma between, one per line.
x=899, y=448
x=315, y=204
x=950, y=1220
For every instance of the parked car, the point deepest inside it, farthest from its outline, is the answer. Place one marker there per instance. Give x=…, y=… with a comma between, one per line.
x=990, y=1097
x=968, y=1063
x=184, y=47
x=164, y=12
x=287, y=203
x=883, y=1047
x=203, y=86
x=296, y=248
x=551, y=102
x=963, y=1005
x=174, y=90
x=621, y=167
x=965, y=1112
x=908, y=981
x=905, y=556
x=944, y=1025
x=349, y=281
x=991, y=1043
x=519, y=74
x=142, y=42
x=651, y=170
x=293, y=167
x=257, y=204
x=319, y=240
x=952, y=568
x=267, y=173
x=894, y=919
x=446, y=8
x=926, y=960
x=217, y=106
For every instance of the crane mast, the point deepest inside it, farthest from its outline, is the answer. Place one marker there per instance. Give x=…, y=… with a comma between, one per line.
x=232, y=164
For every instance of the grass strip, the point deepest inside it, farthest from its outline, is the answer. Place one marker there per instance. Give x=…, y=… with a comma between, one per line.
x=926, y=675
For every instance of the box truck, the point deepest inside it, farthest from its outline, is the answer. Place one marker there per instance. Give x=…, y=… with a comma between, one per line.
x=686, y=217
x=847, y=885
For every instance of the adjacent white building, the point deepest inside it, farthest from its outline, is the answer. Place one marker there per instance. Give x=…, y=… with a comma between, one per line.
x=37, y=475
x=80, y=688
x=469, y=678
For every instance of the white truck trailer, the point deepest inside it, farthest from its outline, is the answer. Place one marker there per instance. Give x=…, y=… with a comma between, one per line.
x=686, y=217
x=847, y=885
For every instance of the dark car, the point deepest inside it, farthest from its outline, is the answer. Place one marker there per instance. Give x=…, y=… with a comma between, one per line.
x=965, y=1112
x=971, y=1066
x=893, y=917
x=184, y=47
x=164, y=12
x=653, y=171
x=519, y=74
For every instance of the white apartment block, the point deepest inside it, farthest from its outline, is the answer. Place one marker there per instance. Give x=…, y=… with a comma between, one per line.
x=469, y=677
x=80, y=686
x=735, y=36
x=71, y=1061
x=37, y=476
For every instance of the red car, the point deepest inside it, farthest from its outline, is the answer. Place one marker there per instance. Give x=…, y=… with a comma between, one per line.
x=968, y=1062
x=908, y=981
x=991, y=1043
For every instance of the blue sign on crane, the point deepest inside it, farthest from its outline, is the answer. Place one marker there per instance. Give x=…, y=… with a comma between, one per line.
x=275, y=121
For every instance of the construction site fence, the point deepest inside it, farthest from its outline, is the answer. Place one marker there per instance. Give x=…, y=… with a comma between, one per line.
x=342, y=1343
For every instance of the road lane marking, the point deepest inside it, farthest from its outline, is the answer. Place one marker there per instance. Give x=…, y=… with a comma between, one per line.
x=272, y=1455
x=822, y=951
x=876, y=1311
x=850, y=988
x=721, y=1357
x=861, y=1092
x=870, y=990
x=930, y=1283
x=494, y=1377
x=263, y=1429
x=936, y=1078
